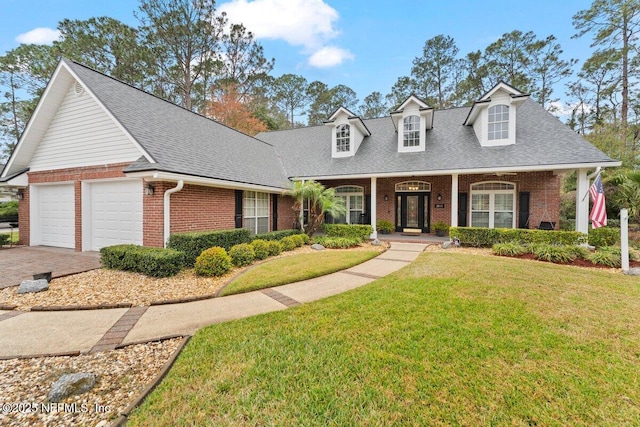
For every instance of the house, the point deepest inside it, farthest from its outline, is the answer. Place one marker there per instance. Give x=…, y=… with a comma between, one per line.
x=101, y=163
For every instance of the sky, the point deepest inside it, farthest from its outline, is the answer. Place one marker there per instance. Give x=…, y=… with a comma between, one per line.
x=364, y=44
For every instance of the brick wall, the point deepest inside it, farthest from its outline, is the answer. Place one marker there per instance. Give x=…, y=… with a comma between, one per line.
x=286, y=215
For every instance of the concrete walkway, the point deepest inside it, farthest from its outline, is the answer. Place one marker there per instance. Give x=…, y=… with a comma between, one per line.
x=66, y=332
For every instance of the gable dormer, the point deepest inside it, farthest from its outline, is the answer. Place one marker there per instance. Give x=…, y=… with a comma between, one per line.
x=412, y=120
x=348, y=132
x=494, y=116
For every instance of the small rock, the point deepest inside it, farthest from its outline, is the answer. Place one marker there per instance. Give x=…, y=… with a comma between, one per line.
x=635, y=271
x=70, y=384
x=446, y=245
x=103, y=423
x=317, y=247
x=28, y=286
x=375, y=242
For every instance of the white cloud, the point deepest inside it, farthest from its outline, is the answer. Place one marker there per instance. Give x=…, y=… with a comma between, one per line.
x=560, y=109
x=40, y=35
x=305, y=23
x=329, y=56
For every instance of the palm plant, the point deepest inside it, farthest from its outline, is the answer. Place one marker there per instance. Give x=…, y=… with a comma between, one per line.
x=627, y=192
x=320, y=200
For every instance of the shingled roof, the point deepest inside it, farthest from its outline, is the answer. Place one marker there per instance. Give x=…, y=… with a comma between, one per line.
x=541, y=141
x=181, y=141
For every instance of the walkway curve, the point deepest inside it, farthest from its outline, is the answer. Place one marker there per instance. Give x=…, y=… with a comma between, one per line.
x=32, y=333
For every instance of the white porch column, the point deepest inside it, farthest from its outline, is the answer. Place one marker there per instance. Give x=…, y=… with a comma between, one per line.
x=454, y=200
x=582, y=201
x=374, y=208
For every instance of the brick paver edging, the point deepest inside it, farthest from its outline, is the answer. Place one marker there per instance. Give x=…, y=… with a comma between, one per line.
x=119, y=330
x=10, y=315
x=355, y=273
x=79, y=307
x=39, y=355
x=122, y=419
x=8, y=307
x=281, y=298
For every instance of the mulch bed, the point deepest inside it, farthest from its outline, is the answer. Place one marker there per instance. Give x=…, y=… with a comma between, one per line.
x=578, y=262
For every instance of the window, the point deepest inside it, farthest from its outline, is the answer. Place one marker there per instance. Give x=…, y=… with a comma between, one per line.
x=493, y=205
x=410, y=186
x=353, y=197
x=411, y=131
x=256, y=211
x=343, y=138
x=498, y=122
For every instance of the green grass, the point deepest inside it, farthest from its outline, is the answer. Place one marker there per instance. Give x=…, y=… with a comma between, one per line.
x=294, y=268
x=452, y=339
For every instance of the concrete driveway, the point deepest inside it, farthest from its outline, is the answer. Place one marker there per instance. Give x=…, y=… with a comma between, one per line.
x=20, y=263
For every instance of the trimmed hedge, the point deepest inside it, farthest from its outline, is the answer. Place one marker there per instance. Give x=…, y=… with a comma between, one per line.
x=260, y=249
x=288, y=243
x=604, y=236
x=242, y=254
x=4, y=238
x=486, y=237
x=350, y=231
x=193, y=244
x=337, y=242
x=275, y=235
x=274, y=247
x=154, y=262
x=213, y=262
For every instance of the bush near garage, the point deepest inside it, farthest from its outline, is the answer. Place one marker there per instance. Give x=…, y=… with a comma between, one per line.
x=153, y=262
x=194, y=243
x=213, y=262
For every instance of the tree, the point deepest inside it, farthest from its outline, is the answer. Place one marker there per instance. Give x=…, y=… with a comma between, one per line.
x=400, y=91
x=615, y=25
x=626, y=192
x=508, y=59
x=289, y=92
x=184, y=38
x=228, y=109
x=320, y=201
x=374, y=105
x=325, y=101
x=433, y=74
x=546, y=68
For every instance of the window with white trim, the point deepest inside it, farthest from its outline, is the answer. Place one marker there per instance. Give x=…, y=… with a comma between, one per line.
x=409, y=186
x=493, y=205
x=353, y=197
x=255, y=208
x=411, y=126
x=343, y=138
x=498, y=122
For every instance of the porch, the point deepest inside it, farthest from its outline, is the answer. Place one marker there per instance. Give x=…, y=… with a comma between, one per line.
x=424, y=238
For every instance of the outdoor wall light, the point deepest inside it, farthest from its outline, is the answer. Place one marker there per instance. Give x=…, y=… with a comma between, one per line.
x=149, y=190
x=439, y=197
x=386, y=198
x=20, y=194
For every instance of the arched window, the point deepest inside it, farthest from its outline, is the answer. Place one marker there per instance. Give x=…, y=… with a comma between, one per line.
x=498, y=122
x=343, y=138
x=411, y=131
x=353, y=196
x=412, y=186
x=493, y=204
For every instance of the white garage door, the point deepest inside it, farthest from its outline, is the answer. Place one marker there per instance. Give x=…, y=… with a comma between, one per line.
x=116, y=213
x=56, y=215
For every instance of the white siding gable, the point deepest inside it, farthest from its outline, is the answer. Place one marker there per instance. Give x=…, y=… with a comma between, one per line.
x=82, y=134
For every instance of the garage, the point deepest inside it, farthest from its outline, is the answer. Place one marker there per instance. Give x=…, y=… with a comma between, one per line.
x=114, y=213
x=54, y=223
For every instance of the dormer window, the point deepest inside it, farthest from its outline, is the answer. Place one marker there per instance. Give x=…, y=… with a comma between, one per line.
x=343, y=138
x=411, y=136
x=498, y=122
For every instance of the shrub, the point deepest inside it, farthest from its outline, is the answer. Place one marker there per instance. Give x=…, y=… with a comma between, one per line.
x=485, y=237
x=609, y=256
x=553, y=253
x=213, y=262
x=509, y=249
x=260, y=248
x=298, y=240
x=288, y=243
x=305, y=238
x=154, y=262
x=4, y=238
x=192, y=244
x=9, y=211
x=441, y=226
x=275, y=235
x=359, y=231
x=274, y=247
x=604, y=236
x=242, y=254
x=385, y=226
x=337, y=242
x=579, y=251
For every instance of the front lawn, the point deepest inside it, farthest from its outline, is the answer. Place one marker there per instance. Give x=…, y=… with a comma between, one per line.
x=453, y=339
x=296, y=268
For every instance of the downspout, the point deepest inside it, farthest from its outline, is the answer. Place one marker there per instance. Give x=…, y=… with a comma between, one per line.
x=167, y=210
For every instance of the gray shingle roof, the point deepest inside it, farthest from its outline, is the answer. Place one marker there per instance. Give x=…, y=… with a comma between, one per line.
x=541, y=139
x=181, y=141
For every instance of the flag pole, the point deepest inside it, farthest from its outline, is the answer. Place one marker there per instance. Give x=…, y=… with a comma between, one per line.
x=624, y=238
x=596, y=173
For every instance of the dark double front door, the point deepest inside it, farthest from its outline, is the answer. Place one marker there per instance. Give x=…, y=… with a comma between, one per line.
x=412, y=211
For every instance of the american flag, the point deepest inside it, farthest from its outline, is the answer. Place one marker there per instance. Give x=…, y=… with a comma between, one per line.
x=599, y=211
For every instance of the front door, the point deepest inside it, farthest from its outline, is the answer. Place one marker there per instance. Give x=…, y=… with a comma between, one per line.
x=412, y=211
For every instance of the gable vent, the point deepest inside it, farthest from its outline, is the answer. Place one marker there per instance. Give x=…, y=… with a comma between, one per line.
x=78, y=89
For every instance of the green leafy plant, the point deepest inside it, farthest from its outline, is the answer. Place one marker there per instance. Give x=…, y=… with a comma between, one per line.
x=509, y=249
x=275, y=235
x=350, y=231
x=4, y=239
x=153, y=262
x=192, y=244
x=610, y=256
x=319, y=200
x=242, y=254
x=385, y=226
x=337, y=242
x=486, y=237
x=604, y=236
x=305, y=238
x=553, y=253
x=274, y=247
x=213, y=262
x=260, y=249
x=288, y=243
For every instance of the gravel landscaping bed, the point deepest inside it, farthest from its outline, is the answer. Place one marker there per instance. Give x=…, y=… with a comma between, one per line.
x=122, y=375
x=102, y=286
